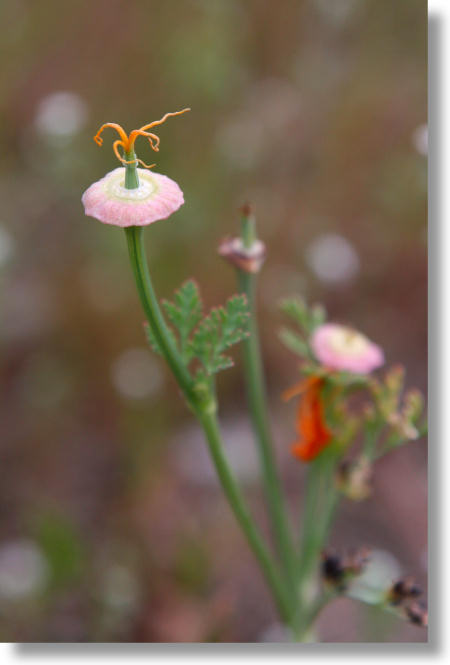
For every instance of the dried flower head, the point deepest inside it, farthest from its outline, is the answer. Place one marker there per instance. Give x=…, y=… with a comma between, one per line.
x=341, y=348
x=402, y=590
x=156, y=196
x=338, y=570
x=417, y=613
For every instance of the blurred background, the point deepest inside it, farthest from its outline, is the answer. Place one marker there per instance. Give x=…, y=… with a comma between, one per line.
x=112, y=525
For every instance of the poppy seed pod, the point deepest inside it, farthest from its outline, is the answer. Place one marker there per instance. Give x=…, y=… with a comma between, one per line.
x=109, y=201
x=131, y=196
x=243, y=258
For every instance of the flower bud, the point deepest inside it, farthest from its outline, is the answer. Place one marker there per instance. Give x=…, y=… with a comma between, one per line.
x=413, y=405
x=403, y=427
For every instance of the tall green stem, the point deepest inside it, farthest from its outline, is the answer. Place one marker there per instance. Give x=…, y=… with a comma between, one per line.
x=153, y=312
x=320, y=503
x=232, y=491
x=255, y=383
x=205, y=410
x=319, y=506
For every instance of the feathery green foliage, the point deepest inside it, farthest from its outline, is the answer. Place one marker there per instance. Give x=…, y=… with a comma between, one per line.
x=203, y=339
x=185, y=313
x=221, y=329
x=307, y=320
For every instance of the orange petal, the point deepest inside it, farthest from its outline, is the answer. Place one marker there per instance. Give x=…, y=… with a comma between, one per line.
x=300, y=387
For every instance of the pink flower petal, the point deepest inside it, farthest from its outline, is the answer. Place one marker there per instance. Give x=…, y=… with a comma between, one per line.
x=344, y=349
x=156, y=198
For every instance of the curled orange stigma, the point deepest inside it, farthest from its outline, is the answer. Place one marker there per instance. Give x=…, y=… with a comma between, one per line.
x=313, y=433
x=127, y=141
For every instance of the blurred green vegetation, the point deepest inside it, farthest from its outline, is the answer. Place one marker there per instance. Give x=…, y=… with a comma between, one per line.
x=312, y=110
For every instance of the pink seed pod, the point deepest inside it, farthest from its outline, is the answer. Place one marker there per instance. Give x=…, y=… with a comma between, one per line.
x=157, y=197
x=248, y=260
x=341, y=348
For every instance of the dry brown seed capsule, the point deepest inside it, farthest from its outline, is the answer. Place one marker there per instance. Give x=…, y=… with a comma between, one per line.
x=337, y=570
x=404, y=589
x=417, y=614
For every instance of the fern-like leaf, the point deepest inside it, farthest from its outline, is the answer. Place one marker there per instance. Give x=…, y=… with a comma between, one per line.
x=307, y=318
x=294, y=343
x=207, y=339
x=185, y=313
x=221, y=329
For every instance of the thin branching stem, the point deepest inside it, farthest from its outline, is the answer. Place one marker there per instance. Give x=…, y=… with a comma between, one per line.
x=205, y=410
x=256, y=392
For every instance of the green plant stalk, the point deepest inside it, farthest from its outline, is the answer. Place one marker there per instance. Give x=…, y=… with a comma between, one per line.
x=153, y=312
x=320, y=505
x=233, y=494
x=256, y=391
x=204, y=409
x=131, y=174
x=316, y=607
x=255, y=384
x=248, y=230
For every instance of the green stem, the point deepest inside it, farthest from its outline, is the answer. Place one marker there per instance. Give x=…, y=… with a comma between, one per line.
x=256, y=392
x=310, y=516
x=248, y=230
x=235, y=498
x=371, y=440
x=205, y=410
x=314, y=610
x=321, y=501
x=320, y=504
x=153, y=313
x=131, y=174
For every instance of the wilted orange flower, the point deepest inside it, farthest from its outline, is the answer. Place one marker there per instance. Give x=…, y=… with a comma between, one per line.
x=312, y=430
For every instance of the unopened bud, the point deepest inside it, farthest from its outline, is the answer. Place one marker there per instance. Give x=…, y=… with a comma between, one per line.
x=413, y=404
x=395, y=378
x=354, y=478
x=402, y=425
